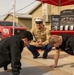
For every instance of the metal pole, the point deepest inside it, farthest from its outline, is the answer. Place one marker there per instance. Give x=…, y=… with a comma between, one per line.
x=14, y=2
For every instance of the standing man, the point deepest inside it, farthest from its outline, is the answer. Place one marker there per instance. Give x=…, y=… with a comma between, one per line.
x=41, y=39
x=11, y=48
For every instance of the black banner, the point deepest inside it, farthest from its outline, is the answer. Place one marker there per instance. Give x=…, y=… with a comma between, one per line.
x=55, y=22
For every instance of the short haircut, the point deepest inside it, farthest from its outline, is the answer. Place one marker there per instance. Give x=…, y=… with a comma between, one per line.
x=26, y=34
x=53, y=39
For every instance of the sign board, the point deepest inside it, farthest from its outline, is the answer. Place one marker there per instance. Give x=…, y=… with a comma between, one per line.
x=67, y=19
x=55, y=22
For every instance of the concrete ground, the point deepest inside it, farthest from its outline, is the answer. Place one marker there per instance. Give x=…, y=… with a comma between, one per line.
x=40, y=66
x=65, y=64
x=27, y=69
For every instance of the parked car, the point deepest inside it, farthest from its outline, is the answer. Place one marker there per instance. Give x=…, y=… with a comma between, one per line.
x=6, y=29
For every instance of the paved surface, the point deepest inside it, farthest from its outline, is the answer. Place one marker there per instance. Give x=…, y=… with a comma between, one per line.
x=27, y=69
x=40, y=66
x=65, y=64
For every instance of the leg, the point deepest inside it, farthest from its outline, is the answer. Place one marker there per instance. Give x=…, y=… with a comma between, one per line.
x=33, y=50
x=6, y=69
x=46, y=48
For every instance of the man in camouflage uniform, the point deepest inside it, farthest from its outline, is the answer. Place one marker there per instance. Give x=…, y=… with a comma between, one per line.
x=41, y=39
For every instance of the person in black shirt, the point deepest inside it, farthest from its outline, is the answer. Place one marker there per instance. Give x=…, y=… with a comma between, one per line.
x=11, y=48
x=63, y=42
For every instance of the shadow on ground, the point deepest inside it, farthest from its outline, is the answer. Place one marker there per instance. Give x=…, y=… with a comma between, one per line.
x=31, y=71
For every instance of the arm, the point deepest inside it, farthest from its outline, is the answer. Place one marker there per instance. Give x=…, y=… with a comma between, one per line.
x=56, y=57
x=34, y=42
x=34, y=39
x=15, y=58
x=47, y=37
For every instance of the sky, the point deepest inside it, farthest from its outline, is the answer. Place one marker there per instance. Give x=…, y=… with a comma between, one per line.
x=7, y=6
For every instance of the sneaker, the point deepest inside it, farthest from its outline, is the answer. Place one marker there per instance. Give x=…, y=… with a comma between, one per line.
x=44, y=57
x=35, y=57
